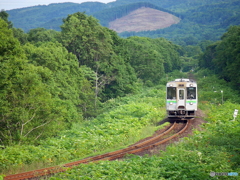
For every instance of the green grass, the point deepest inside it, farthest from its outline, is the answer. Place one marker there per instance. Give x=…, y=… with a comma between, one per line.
x=124, y=121
x=216, y=148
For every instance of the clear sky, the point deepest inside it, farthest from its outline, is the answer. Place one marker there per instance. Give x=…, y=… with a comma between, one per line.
x=14, y=4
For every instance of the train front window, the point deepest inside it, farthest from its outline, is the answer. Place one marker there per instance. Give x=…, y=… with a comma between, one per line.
x=171, y=93
x=181, y=94
x=191, y=92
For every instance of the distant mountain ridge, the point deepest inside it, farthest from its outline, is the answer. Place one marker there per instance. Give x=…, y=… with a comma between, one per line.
x=200, y=19
x=41, y=15
x=50, y=16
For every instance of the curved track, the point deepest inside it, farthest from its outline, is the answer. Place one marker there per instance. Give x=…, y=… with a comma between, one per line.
x=136, y=148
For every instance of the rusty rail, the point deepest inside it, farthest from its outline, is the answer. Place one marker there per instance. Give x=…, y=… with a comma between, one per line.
x=107, y=156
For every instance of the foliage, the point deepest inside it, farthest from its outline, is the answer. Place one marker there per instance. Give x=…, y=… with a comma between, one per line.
x=50, y=16
x=20, y=35
x=204, y=21
x=172, y=76
x=46, y=86
x=94, y=47
x=45, y=83
x=26, y=105
x=124, y=122
x=215, y=148
x=184, y=33
x=4, y=15
x=41, y=35
x=211, y=87
x=211, y=14
x=66, y=79
x=151, y=58
x=223, y=57
x=200, y=20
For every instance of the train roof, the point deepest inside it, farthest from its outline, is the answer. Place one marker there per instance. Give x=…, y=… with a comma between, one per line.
x=183, y=80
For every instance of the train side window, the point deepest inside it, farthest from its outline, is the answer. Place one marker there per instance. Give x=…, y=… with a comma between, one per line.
x=171, y=93
x=191, y=92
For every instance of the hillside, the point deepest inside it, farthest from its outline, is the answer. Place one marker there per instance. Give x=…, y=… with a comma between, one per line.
x=143, y=19
x=200, y=20
x=52, y=14
x=172, y=5
x=206, y=22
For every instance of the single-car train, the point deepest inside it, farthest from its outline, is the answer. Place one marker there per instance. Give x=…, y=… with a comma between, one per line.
x=181, y=98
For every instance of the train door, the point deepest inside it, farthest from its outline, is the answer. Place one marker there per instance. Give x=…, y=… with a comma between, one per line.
x=181, y=98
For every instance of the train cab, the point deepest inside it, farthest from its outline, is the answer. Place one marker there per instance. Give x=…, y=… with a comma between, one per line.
x=181, y=98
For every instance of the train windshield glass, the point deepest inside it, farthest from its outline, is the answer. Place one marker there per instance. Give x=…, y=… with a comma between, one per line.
x=171, y=93
x=181, y=94
x=191, y=92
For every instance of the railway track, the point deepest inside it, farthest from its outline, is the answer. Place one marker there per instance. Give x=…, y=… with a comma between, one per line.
x=133, y=149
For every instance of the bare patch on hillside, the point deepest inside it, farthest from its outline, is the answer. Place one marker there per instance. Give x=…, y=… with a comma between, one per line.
x=144, y=19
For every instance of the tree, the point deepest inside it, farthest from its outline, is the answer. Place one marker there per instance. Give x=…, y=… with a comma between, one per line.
x=147, y=62
x=151, y=58
x=228, y=56
x=41, y=35
x=223, y=56
x=93, y=46
x=206, y=59
x=27, y=108
x=4, y=15
x=20, y=35
x=67, y=79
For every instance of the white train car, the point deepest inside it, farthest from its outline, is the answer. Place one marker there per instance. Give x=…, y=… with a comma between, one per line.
x=181, y=98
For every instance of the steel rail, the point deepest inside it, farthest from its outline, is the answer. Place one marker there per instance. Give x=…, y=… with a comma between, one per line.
x=99, y=157
x=148, y=146
x=107, y=156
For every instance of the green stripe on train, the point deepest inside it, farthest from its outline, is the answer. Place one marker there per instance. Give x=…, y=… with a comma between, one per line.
x=187, y=101
x=172, y=101
x=192, y=101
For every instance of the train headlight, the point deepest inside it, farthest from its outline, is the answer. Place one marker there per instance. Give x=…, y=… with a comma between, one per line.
x=171, y=85
x=191, y=85
x=191, y=103
x=171, y=103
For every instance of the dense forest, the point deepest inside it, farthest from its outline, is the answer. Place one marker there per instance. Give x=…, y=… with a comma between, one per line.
x=51, y=79
x=223, y=57
x=73, y=71
x=206, y=22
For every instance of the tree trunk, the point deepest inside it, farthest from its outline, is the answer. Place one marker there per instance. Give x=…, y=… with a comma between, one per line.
x=96, y=89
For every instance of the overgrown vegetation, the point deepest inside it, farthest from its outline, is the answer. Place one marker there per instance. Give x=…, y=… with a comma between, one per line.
x=223, y=58
x=49, y=79
x=124, y=121
x=215, y=148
